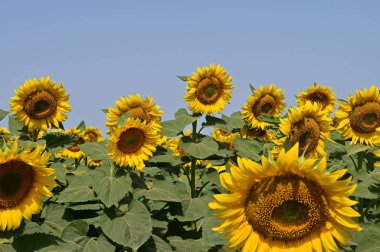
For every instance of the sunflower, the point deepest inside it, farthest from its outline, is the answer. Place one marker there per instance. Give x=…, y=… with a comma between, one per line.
x=224, y=137
x=133, y=143
x=73, y=151
x=377, y=153
x=320, y=94
x=285, y=205
x=40, y=104
x=208, y=90
x=264, y=101
x=94, y=163
x=4, y=131
x=24, y=179
x=359, y=118
x=145, y=110
x=257, y=133
x=309, y=126
x=92, y=134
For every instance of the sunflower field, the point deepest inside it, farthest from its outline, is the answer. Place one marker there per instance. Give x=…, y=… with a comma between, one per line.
x=260, y=179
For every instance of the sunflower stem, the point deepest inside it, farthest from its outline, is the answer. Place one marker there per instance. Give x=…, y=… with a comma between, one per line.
x=193, y=163
x=361, y=200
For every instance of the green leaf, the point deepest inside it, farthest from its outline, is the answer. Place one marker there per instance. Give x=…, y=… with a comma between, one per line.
x=81, y=126
x=234, y=120
x=203, y=149
x=54, y=222
x=166, y=158
x=166, y=191
x=370, y=241
x=184, y=118
x=252, y=88
x=183, y=78
x=34, y=242
x=76, y=194
x=248, y=148
x=269, y=119
x=110, y=190
x=3, y=114
x=155, y=243
x=76, y=232
x=366, y=181
x=194, y=209
x=15, y=126
x=121, y=120
x=86, y=207
x=355, y=148
x=98, y=245
x=105, y=110
x=98, y=151
x=209, y=236
x=172, y=128
x=132, y=229
x=181, y=245
x=59, y=140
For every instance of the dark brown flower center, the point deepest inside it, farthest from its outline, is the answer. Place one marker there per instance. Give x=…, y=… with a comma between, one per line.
x=320, y=98
x=74, y=148
x=131, y=140
x=365, y=118
x=265, y=106
x=40, y=105
x=286, y=207
x=258, y=133
x=209, y=90
x=139, y=113
x=307, y=133
x=16, y=180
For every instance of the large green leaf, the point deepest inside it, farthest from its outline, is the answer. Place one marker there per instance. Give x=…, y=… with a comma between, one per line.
x=269, y=119
x=187, y=245
x=370, y=241
x=166, y=191
x=156, y=244
x=184, y=118
x=204, y=148
x=110, y=190
x=172, y=128
x=355, y=148
x=234, y=120
x=34, y=242
x=76, y=232
x=194, y=209
x=132, y=229
x=209, y=236
x=3, y=114
x=98, y=245
x=14, y=125
x=76, y=194
x=54, y=222
x=248, y=148
x=98, y=151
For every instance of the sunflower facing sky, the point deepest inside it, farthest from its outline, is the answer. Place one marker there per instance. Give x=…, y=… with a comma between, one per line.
x=320, y=94
x=145, y=110
x=208, y=89
x=133, y=143
x=264, y=101
x=309, y=126
x=359, y=118
x=73, y=151
x=285, y=205
x=40, y=103
x=24, y=179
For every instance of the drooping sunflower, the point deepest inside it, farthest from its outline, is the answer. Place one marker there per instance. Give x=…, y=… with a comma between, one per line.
x=320, y=94
x=264, y=101
x=40, y=104
x=92, y=134
x=257, y=133
x=208, y=89
x=359, y=118
x=133, y=143
x=224, y=137
x=24, y=179
x=145, y=110
x=73, y=151
x=309, y=126
x=285, y=205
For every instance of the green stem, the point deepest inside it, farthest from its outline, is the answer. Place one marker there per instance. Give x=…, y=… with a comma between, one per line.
x=361, y=200
x=193, y=163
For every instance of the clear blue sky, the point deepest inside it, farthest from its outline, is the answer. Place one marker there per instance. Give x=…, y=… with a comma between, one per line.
x=101, y=50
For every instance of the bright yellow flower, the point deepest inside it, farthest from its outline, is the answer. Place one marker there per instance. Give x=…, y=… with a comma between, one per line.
x=92, y=134
x=309, y=126
x=320, y=94
x=40, y=104
x=4, y=131
x=24, y=179
x=133, y=143
x=208, y=89
x=359, y=118
x=224, y=137
x=264, y=101
x=73, y=151
x=290, y=204
x=257, y=133
x=145, y=110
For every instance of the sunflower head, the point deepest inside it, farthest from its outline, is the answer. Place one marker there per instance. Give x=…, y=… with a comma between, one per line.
x=309, y=126
x=319, y=94
x=359, y=118
x=40, y=104
x=224, y=137
x=257, y=133
x=264, y=101
x=24, y=179
x=4, y=131
x=285, y=205
x=92, y=134
x=133, y=143
x=144, y=110
x=73, y=151
x=208, y=89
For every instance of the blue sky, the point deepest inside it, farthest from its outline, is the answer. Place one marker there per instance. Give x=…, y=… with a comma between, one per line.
x=101, y=50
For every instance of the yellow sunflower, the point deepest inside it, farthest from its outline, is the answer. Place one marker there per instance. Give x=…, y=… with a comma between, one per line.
x=264, y=101
x=309, y=126
x=320, y=94
x=208, y=90
x=4, y=131
x=289, y=205
x=359, y=118
x=257, y=133
x=40, y=104
x=24, y=179
x=133, y=143
x=92, y=134
x=224, y=137
x=73, y=151
x=145, y=110
x=377, y=153
x=94, y=163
